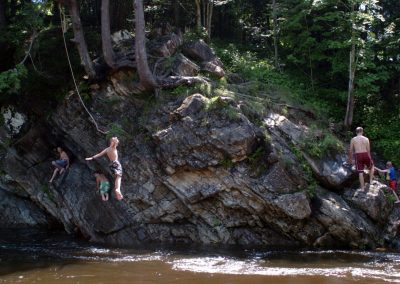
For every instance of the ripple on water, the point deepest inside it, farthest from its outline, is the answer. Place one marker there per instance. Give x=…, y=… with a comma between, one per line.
x=354, y=265
x=383, y=270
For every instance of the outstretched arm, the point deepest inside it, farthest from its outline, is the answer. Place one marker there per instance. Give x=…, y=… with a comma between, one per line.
x=97, y=155
x=381, y=171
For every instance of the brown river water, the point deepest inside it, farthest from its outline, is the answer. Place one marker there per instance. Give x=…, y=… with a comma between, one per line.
x=42, y=257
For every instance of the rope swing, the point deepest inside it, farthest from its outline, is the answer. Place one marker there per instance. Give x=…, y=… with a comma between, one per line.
x=64, y=28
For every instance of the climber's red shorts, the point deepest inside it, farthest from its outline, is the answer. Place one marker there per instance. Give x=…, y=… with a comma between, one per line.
x=363, y=159
x=393, y=184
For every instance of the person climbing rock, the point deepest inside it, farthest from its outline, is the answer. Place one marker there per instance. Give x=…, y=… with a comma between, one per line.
x=102, y=185
x=61, y=164
x=362, y=152
x=115, y=165
x=390, y=173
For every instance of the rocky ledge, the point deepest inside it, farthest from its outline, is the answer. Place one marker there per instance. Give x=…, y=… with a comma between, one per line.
x=196, y=169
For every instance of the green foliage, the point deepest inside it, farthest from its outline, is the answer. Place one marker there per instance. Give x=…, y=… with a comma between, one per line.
x=307, y=170
x=181, y=90
x=84, y=90
x=381, y=125
x=243, y=62
x=231, y=112
x=390, y=196
x=227, y=163
x=216, y=222
x=256, y=160
x=28, y=18
x=45, y=188
x=185, y=91
x=318, y=143
x=194, y=35
x=256, y=155
x=10, y=80
x=115, y=129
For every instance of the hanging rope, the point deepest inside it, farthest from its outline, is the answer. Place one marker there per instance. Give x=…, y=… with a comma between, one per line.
x=64, y=30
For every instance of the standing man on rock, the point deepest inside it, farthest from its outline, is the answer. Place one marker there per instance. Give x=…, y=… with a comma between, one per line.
x=362, y=152
x=115, y=165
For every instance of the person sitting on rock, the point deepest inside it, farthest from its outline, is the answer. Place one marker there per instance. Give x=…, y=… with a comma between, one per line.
x=390, y=174
x=115, y=165
x=61, y=164
x=102, y=185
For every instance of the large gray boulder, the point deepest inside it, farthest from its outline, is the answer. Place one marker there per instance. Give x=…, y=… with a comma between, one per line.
x=202, y=53
x=165, y=46
x=345, y=226
x=372, y=201
x=182, y=66
x=328, y=170
x=199, y=138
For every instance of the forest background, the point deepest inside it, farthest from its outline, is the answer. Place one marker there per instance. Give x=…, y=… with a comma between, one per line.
x=338, y=58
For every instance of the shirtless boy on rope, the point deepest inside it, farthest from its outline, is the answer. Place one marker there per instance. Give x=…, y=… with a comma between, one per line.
x=115, y=165
x=360, y=145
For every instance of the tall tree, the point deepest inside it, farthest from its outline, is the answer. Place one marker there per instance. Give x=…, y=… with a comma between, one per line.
x=275, y=32
x=79, y=38
x=348, y=120
x=209, y=8
x=147, y=79
x=108, y=52
x=198, y=14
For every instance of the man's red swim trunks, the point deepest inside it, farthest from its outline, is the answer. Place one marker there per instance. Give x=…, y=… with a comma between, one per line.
x=363, y=159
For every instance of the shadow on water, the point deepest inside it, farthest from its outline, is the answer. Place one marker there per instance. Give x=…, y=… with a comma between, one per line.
x=27, y=249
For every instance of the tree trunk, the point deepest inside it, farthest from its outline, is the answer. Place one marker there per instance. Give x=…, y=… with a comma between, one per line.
x=2, y=15
x=198, y=15
x=176, y=10
x=348, y=120
x=275, y=23
x=210, y=6
x=203, y=14
x=79, y=39
x=108, y=52
x=13, y=9
x=309, y=57
x=146, y=77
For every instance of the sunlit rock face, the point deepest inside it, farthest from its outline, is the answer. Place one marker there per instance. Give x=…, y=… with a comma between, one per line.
x=197, y=169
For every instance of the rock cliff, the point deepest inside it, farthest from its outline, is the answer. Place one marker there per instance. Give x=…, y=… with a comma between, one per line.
x=197, y=168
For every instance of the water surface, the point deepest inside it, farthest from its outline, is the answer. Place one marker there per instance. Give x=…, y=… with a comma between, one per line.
x=41, y=257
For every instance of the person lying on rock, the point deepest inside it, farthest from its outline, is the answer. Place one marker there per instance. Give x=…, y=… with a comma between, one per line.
x=115, y=165
x=102, y=185
x=360, y=145
x=390, y=174
x=61, y=164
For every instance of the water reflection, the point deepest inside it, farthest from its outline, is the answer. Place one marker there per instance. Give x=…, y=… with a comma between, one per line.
x=46, y=257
